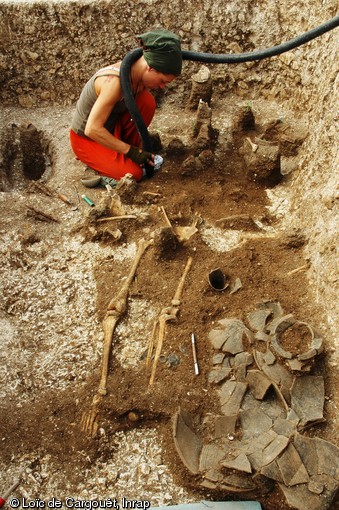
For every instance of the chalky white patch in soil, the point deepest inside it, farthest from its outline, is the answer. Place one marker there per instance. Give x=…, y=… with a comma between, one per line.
x=55, y=338
x=133, y=334
x=221, y=240
x=134, y=470
x=280, y=198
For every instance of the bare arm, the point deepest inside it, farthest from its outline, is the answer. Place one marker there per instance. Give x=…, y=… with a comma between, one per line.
x=109, y=93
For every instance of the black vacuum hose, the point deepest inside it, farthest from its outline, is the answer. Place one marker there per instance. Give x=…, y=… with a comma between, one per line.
x=209, y=58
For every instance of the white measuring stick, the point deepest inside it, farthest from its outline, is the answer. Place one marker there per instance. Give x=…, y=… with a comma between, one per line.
x=195, y=360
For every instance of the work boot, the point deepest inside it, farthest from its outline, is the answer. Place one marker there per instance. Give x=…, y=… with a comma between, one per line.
x=94, y=182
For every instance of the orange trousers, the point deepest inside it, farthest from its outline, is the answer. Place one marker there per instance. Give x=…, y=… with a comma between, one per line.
x=112, y=163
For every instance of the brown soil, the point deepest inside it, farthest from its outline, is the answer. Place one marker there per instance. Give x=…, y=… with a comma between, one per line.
x=296, y=339
x=262, y=258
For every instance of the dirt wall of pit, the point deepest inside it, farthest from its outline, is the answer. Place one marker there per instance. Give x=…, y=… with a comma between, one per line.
x=49, y=49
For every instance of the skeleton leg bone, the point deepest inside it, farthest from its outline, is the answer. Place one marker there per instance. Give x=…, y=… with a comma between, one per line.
x=115, y=310
x=89, y=421
x=167, y=314
x=254, y=146
x=110, y=321
x=151, y=345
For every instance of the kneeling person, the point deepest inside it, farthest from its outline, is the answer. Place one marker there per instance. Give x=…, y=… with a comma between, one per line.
x=103, y=135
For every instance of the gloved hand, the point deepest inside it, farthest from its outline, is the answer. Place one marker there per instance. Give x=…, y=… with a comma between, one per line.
x=138, y=155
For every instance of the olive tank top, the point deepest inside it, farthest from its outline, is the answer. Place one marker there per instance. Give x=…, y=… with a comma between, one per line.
x=87, y=99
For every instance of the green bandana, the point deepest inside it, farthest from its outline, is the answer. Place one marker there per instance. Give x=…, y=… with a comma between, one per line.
x=162, y=51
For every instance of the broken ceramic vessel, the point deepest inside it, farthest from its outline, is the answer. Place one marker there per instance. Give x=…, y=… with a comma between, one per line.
x=264, y=406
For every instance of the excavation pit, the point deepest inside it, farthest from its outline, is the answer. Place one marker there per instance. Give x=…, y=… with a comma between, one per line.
x=56, y=289
x=24, y=157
